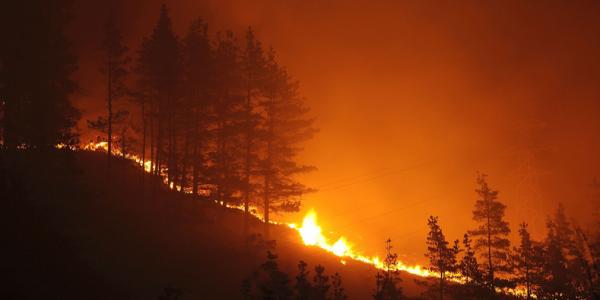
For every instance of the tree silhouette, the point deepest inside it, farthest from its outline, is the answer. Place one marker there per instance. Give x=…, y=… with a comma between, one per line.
x=320, y=284
x=171, y=293
x=254, y=74
x=567, y=270
x=199, y=71
x=227, y=153
x=159, y=70
x=387, y=279
x=589, y=280
x=556, y=277
x=285, y=126
x=339, y=292
x=115, y=70
x=442, y=258
x=491, y=235
x=303, y=286
x=469, y=269
x=276, y=285
x=527, y=259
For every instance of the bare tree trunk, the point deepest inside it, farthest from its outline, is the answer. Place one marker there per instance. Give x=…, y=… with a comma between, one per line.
x=269, y=169
x=195, y=159
x=248, y=162
x=441, y=285
x=267, y=205
x=152, y=158
x=159, y=141
x=109, y=99
x=143, y=146
x=185, y=161
x=489, y=244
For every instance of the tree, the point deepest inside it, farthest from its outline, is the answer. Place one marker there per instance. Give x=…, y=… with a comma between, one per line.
x=568, y=269
x=527, y=260
x=276, y=284
x=35, y=76
x=491, y=235
x=469, y=269
x=159, y=73
x=285, y=128
x=171, y=293
x=589, y=283
x=227, y=113
x=303, y=286
x=254, y=72
x=556, y=284
x=338, y=290
x=115, y=70
x=320, y=283
x=387, y=279
x=199, y=73
x=442, y=258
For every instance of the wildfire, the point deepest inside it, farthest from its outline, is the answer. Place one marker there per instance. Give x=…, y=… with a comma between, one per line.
x=310, y=232
x=312, y=235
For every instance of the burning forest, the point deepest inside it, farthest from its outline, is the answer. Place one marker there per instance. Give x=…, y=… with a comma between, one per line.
x=300, y=150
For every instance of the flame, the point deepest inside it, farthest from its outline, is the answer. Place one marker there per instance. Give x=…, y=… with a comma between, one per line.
x=312, y=235
x=310, y=232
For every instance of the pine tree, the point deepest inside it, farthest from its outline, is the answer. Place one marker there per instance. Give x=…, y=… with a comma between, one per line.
x=159, y=70
x=589, y=283
x=320, y=283
x=276, y=284
x=527, y=260
x=145, y=96
x=338, y=290
x=469, y=269
x=491, y=235
x=227, y=108
x=556, y=282
x=115, y=70
x=386, y=280
x=442, y=258
x=254, y=72
x=303, y=286
x=285, y=128
x=35, y=76
x=567, y=270
x=199, y=73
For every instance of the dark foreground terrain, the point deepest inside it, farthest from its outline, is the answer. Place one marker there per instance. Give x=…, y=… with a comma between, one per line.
x=73, y=230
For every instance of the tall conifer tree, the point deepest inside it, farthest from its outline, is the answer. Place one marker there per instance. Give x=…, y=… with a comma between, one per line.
x=115, y=70
x=491, y=236
x=285, y=128
x=199, y=73
x=442, y=257
x=254, y=72
x=387, y=280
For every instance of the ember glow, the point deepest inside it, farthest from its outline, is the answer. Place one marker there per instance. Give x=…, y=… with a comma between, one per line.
x=311, y=233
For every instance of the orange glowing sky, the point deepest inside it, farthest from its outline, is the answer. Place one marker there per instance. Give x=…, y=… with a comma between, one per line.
x=412, y=99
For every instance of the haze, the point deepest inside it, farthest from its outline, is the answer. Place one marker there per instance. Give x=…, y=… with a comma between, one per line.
x=413, y=99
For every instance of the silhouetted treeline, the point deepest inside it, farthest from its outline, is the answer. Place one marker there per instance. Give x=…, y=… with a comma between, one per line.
x=269, y=282
x=221, y=119
x=35, y=68
x=564, y=265
x=216, y=116
x=387, y=280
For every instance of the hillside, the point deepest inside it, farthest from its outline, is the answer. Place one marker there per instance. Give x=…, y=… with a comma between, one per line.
x=69, y=236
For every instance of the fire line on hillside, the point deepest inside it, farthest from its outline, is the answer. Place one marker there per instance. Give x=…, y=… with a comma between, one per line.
x=310, y=231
